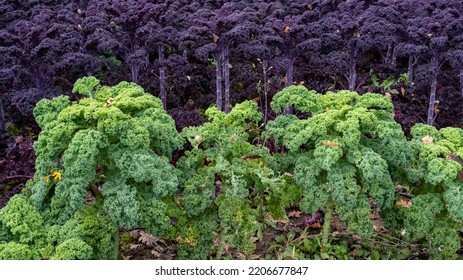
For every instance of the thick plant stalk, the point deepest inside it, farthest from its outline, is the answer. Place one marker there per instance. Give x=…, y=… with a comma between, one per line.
x=432, y=95
x=162, y=77
x=218, y=81
x=411, y=62
x=2, y=117
x=222, y=235
x=461, y=82
x=394, y=57
x=226, y=77
x=388, y=54
x=289, y=82
x=327, y=224
x=353, y=69
x=264, y=72
x=135, y=70
x=432, y=101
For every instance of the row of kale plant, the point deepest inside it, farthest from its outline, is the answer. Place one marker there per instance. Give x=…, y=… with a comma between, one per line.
x=104, y=163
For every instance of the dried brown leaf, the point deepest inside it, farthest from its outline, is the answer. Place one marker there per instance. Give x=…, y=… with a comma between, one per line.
x=403, y=203
x=135, y=233
x=134, y=246
x=147, y=239
x=427, y=140
x=156, y=254
x=294, y=214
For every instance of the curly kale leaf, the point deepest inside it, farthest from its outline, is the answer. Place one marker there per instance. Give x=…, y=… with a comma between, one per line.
x=443, y=240
x=46, y=111
x=73, y=249
x=298, y=96
x=420, y=217
x=120, y=202
x=15, y=251
x=344, y=153
x=119, y=139
x=86, y=86
x=146, y=169
x=22, y=221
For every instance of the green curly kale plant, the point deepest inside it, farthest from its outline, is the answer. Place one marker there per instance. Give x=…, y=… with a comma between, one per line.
x=112, y=147
x=118, y=141
x=344, y=149
x=435, y=213
x=26, y=234
x=224, y=179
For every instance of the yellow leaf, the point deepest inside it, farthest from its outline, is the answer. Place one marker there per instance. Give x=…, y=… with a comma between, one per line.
x=46, y=179
x=287, y=29
x=330, y=144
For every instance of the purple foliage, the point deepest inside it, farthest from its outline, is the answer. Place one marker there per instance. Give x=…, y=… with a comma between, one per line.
x=213, y=33
x=240, y=49
x=16, y=165
x=41, y=49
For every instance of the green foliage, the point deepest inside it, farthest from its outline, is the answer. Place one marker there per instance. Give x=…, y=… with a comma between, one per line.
x=298, y=246
x=103, y=163
x=436, y=212
x=299, y=97
x=388, y=84
x=15, y=251
x=86, y=86
x=119, y=139
x=226, y=177
x=112, y=148
x=31, y=236
x=346, y=150
x=73, y=249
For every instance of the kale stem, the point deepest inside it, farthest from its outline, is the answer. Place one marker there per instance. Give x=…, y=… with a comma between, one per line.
x=327, y=223
x=222, y=235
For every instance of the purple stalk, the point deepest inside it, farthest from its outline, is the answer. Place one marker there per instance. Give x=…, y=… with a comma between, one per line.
x=218, y=80
x=432, y=95
x=289, y=82
x=2, y=118
x=162, y=77
x=289, y=73
x=411, y=62
x=264, y=72
x=432, y=100
x=135, y=70
x=226, y=74
x=388, y=55
x=352, y=69
x=394, y=57
x=309, y=220
x=461, y=82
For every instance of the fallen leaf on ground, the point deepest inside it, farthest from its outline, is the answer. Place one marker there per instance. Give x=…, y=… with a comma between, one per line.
x=147, y=239
x=156, y=254
x=294, y=214
x=134, y=246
